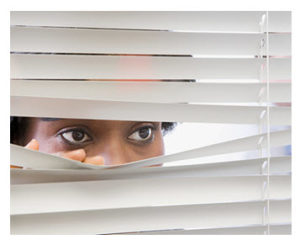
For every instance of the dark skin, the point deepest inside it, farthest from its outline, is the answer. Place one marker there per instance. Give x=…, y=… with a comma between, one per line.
x=94, y=141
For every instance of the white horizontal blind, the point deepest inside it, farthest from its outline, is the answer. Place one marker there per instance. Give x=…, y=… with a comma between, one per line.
x=208, y=21
x=212, y=67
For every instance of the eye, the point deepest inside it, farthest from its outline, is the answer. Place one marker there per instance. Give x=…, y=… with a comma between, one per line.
x=142, y=134
x=75, y=136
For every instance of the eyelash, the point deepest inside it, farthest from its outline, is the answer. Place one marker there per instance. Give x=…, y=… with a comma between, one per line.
x=73, y=130
x=147, y=140
x=153, y=128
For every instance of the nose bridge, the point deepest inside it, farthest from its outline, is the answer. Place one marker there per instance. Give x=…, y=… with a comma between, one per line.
x=114, y=151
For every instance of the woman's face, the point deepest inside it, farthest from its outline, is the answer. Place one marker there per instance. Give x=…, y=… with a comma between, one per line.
x=116, y=142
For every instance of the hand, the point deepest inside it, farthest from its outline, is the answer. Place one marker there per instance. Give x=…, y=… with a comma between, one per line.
x=77, y=155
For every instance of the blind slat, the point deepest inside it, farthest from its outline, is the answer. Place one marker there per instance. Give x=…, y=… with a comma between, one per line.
x=275, y=229
x=160, y=92
x=281, y=229
x=114, y=194
x=58, y=40
x=134, y=67
x=38, y=160
x=205, y=21
x=134, y=111
x=278, y=165
x=280, y=21
x=150, y=218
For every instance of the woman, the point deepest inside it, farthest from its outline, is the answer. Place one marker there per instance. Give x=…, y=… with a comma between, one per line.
x=98, y=142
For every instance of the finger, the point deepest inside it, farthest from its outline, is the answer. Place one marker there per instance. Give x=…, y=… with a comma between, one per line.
x=156, y=165
x=95, y=160
x=33, y=145
x=77, y=155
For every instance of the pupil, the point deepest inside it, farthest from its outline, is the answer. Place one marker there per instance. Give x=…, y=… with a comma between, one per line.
x=77, y=135
x=144, y=133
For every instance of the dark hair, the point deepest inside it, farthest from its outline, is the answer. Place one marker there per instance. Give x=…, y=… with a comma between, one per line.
x=17, y=129
x=18, y=126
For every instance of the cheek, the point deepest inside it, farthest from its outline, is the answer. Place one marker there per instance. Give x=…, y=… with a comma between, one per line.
x=156, y=148
x=50, y=144
x=45, y=135
x=47, y=145
x=159, y=144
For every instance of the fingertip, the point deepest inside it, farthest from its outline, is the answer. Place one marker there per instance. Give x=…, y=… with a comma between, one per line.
x=33, y=145
x=156, y=165
x=95, y=160
x=77, y=155
x=14, y=166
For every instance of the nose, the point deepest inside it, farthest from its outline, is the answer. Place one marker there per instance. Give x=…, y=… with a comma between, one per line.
x=115, y=153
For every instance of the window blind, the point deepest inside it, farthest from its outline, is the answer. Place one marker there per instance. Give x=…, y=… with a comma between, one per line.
x=204, y=67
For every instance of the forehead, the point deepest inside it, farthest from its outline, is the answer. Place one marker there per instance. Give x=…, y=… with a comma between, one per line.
x=85, y=121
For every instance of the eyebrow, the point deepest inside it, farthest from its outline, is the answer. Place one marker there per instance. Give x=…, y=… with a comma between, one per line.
x=48, y=119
